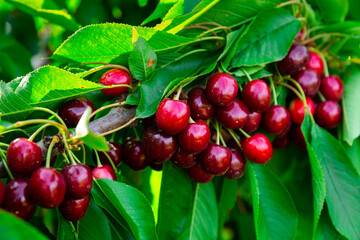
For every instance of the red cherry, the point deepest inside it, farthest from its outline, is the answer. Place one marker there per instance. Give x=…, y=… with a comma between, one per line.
x=78, y=180
x=257, y=148
x=256, y=95
x=200, y=106
x=17, y=199
x=195, y=137
x=253, y=122
x=134, y=155
x=215, y=160
x=237, y=165
x=184, y=159
x=23, y=157
x=328, y=114
x=297, y=136
x=309, y=82
x=233, y=116
x=2, y=192
x=104, y=172
x=300, y=34
x=315, y=63
x=294, y=61
x=74, y=209
x=276, y=119
x=198, y=175
x=72, y=110
x=115, y=153
x=115, y=77
x=332, y=88
x=47, y=187
x=172, y=116
x=280, y=142
x=221, y=89
x=297, y=110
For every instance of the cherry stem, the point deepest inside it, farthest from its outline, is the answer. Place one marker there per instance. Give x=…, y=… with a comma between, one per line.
x=74, y=156
x=291, y=88
x=226, y=29
x=106, y=107
x=273, y=90
x=292, y=3
x=84, y=153
x=52, y=113
x=119, y=128
x=97, y=159
x=4, y=145
x=32, y=137
x=3, y=157
x=322, y=98
x=217, y=132
x=37, y=121
x=66, y=158
x=177, y=96
x=206, y=28
x=118, y=85
x=136, y=134
x=244, y=133
x=201, y=39
x=15, y=130
x=222, y=140
x=323, y=36
x=306, y=13
x=67, y=149
x=105, y=66
x=111, y=161
x=233, y=135
x=192, y=120
x=48, y=154
x=247, y=75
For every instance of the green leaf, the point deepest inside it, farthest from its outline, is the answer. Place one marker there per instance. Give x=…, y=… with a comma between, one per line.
x=5, y=125
x=249, y=70
x=267, y=39
x=275, y=214
x=232, y=41
x=325, y=229
x=348, y=27
x=160, y=11
x=333, y=10
x=65, y=230
x=353, y=153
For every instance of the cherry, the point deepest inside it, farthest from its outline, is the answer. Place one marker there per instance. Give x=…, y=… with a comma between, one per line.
x=158, y=146
x=257, y=148
x=195, y=137
x=328, y=114
x=297, y=110
x=115, y=77
x=276, y=119
x=115, y=153
x=156, y=167
x=2, y=192
x=23, y=157
x=184, y=159
x=74, y=209
x=237, y=165
x=256, y=95
x=134, y=155
x=198, y=175
x=332, y=88
x=200, y=106
x=253, y=122
x=315, y=63
x=78, y=180
x=72, y=110
x=17, y=199
x=300, y=34
x=280, y=142
x=221, y=89
x=47, y=187
x=297, y=136
x=294, y=61
x=309, y=82
x=233, y=116
x=215, y=160
x=104, y=172
x=172, y=116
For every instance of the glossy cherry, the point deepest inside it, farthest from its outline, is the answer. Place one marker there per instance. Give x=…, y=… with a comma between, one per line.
x=296, y=135
x=297, y=110
x=328, y=114
x=172, y=116
x=115, y=77
x=104, y=172
x=294, y=61
x=47, y=187
x=72, y=110
x=195, y=137
x=23, y=157
x=78, y=180
x=17, y=199
x=134, y=155
x=115, y=153
x=215, y=160
x=256, y=95
x=233, y=116
x=309, y=82
x=280, y=142
x=237, y=165
x=253, y=122
x=198, y=175
x=332, y=88
x=221, y=89
x=74, y=209
x=257, y=148
x=2, y=192
x=315, y=63
x=184, y=159
x=200, y=106
x=158, y=146
x=276, y=119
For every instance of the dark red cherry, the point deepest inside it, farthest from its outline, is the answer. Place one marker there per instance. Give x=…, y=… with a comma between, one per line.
x=276, y=119
x=158, y=146
x=309, y=82
x=134, y=155
x=215, y=160
x=156, y=167
x=115, y=77
x=257, y=148
x=296, y=135
x=2, y=192
x=237, y=165
x=328, y=114
x=315, y=63
x=294, y=61
x=253, y=122
x=332, y=88
x=280, y=142
x=221, y=89
x=256, y=95
x=47, y=187
x=23, y=157
x=74, y=209
x=198, y=175
x=184, y=159
x=233, y=116
x=78, y=180
x=72, y=110
x=195, y=137
x=200, y=106
x=115, y=153
x=104, y=172
x=297, y=110
x=172, y=116
x=17, y=199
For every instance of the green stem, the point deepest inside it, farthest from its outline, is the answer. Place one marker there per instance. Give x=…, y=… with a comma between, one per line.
x=119, y=128
x=118, y=85
x=111, y=161
x=32, y=137
x=233, y=135
x=247, y=75
x=323, y=36
x=4, y=145
x=136, y=134
x=292, y=3
x=242, y=22
x=105, y=66
x=51, y=146
x=244, y=133
x=291, y=88
x=67, y=149
x=217, y=132
x=106, y=107
x=273, y=90
x=52, y=113
x=97, y=159
x=177, y=96
x=74, y=156
x=37, y=121
x=322, y=98
x=195, y=41
x=3, y=157
x=214, y=29
x=222, y=140
x=66, y=158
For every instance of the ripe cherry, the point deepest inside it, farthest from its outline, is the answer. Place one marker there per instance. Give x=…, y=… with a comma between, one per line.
x=276, y=119
x=221, y=89
x=280, y=142
x=115, y=153
x=72, y=110
x=297, y=110
x=332, y=88
x=134, y=155
x=297, y=136
x=256, y=95
x=2, y=192
x=253, y=122
x=172, y=116
x=23, y=157
x=158, y=146
x=198, y=175
x=195, y=137
x=233, y=116
x=294, y=61
x=47, y=187
x=237, y=165
x=184, y=159
x=17, y=199
x=74, y=209
x=78, y=180
x=309, y=82
x=215, y=160
x=315, y=63
x=200, y=106
x=115, y=77
x=328, y=114
x=104, y=172
x=257, y=148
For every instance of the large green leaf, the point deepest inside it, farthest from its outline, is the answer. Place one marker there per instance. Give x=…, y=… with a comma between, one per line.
x=333, y=10
x=65, y=229
x=160, y=11
x=326, y=230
